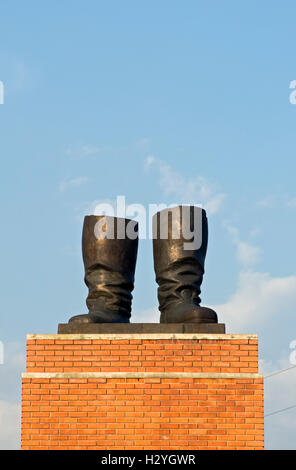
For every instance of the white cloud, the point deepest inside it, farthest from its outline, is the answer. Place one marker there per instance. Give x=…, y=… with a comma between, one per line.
x=143, y=143
x=149, y=162
x=17, y=74
x=83, y=150
x=267, y=202
x=247, y=254
x=258, y=296
x=273, y=201
x=196, y=190
x=72, y=183
x=255, y=231
x=10, y=424
x=10, y=394
x=291, y=202
x=21, y=75
x=214, y=203
x=152, y=314
x=279, y=393
x=14, y=364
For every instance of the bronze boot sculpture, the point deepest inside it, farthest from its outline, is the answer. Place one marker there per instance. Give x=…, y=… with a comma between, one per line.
x=109, y=262
x=178, y=266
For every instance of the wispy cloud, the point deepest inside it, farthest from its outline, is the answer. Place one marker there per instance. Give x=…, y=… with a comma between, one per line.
x=10, y=395
x=17, y=74
x=151, y=314
x=276, y=201
x=10, y=425
x=143, y=143
x=21, y=75
x=83, y=150
x=247, y=254
x=267, y=202
x=72, y=183
x=197, y=190
x=291, y=202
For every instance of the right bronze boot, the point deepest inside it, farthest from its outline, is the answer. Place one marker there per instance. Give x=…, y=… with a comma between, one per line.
x=179, y=264
x=109, y=264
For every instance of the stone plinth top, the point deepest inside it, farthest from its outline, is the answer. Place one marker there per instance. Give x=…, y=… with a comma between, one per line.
x=129, y=328
x=140, y=375
x=142, y=336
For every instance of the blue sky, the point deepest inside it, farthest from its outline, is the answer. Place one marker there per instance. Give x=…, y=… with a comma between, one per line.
x=167, y=101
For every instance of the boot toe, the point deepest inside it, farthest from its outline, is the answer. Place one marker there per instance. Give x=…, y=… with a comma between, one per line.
x=80, y=319
x=190, y=315
x=204, y=315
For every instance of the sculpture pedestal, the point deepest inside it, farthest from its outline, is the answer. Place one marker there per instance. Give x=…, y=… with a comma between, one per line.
x=174, y=391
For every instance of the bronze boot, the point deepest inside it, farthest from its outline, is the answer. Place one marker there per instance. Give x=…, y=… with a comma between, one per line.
x=180, y=238
x=109, y=263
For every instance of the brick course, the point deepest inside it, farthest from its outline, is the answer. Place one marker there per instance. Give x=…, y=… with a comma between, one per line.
x=142, y=355
x=179, y=392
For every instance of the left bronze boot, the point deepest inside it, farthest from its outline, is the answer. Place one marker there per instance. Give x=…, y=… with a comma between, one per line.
x=109, y=264
x=179, y=264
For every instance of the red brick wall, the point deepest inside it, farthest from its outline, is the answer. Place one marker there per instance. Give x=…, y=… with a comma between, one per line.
x=142, y=355
x=188, y=403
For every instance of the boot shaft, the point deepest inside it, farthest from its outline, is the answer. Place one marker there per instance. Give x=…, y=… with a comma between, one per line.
x=180, y=235
x=109, y=257
x=105, y=244
x=179, y=260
